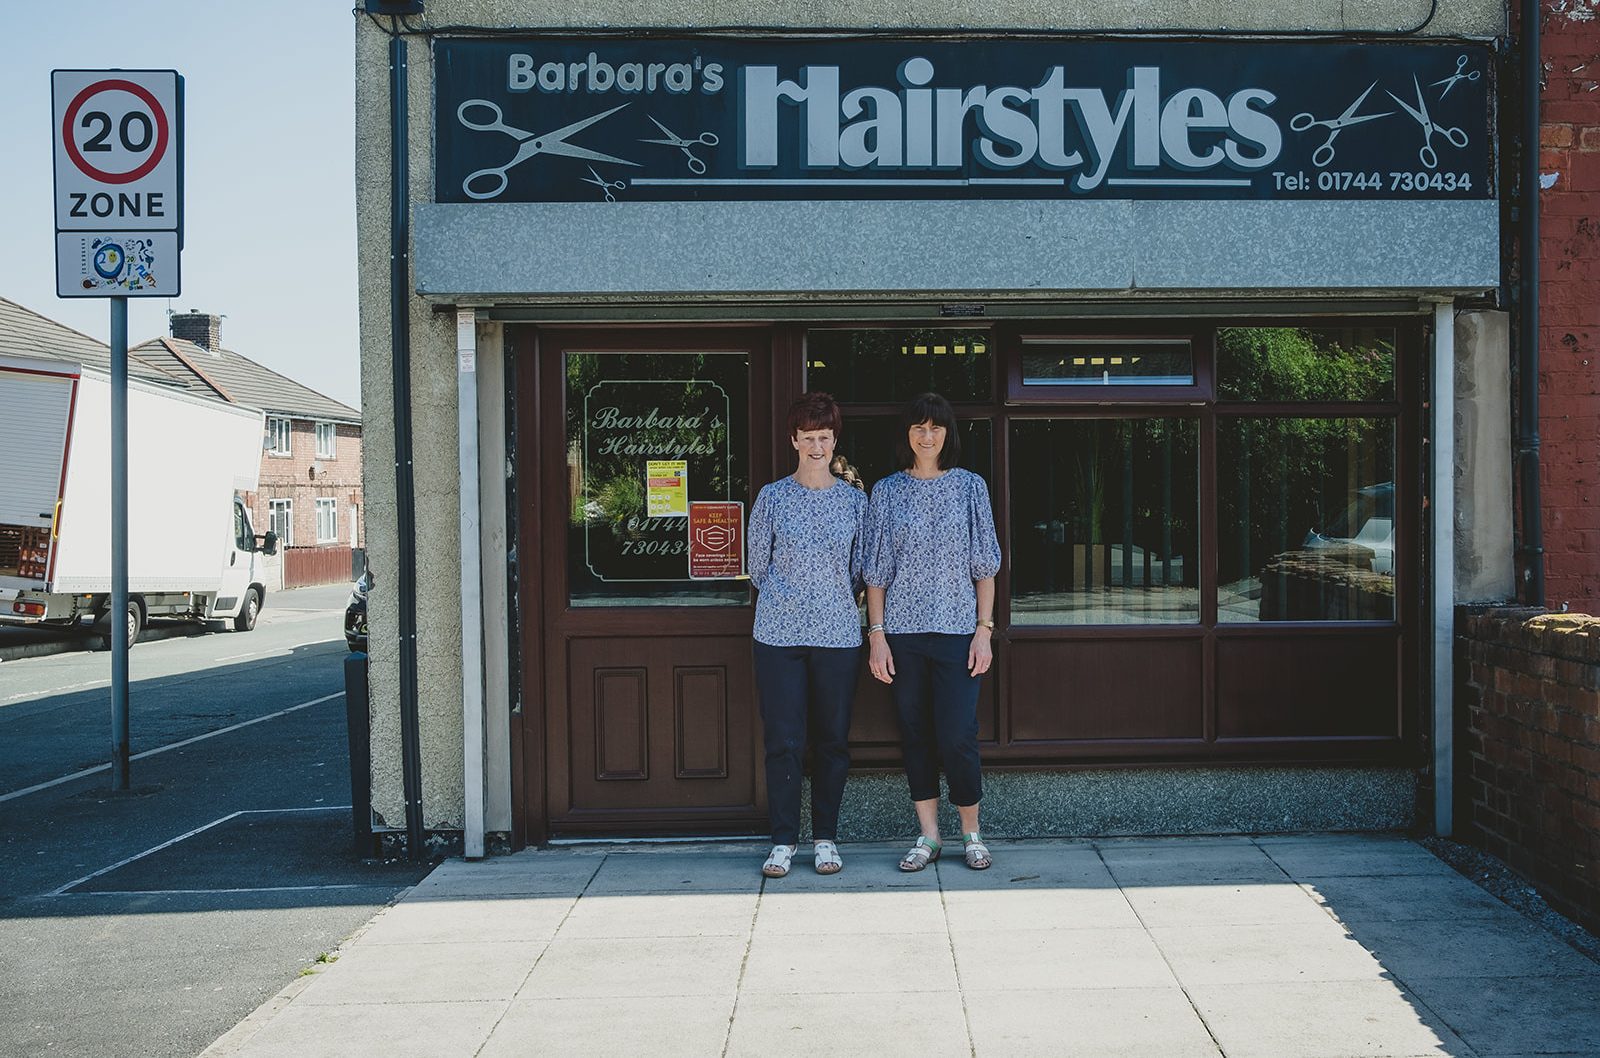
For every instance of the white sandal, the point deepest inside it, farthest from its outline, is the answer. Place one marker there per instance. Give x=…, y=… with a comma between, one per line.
x=827, y=858
x=977, y=853
x=777, y=864
x=924, y=852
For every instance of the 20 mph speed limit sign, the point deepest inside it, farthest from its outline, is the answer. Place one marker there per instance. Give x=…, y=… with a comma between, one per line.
x=118, y=181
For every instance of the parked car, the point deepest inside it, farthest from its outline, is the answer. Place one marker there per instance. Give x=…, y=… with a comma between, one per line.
x=355, y=613
x=1367, y=522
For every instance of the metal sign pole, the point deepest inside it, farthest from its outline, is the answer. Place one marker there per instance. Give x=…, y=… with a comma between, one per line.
x=118, y=616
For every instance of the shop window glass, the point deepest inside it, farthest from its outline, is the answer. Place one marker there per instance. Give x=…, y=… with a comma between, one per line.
x=1108, y=361
x=890, y=366
x=868, y=443
x=625, y=410
x=1307, y=520
x=1325, y=364
x=1104, y=516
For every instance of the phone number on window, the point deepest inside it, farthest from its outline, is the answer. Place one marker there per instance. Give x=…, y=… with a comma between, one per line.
x=1340, y=180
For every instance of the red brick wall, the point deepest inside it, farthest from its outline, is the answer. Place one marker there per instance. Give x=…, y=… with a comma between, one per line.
x=1569, y=306
x=1528, y=748
x=302, y=478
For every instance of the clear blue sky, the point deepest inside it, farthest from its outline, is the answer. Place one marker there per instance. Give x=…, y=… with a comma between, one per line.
x=270, y=202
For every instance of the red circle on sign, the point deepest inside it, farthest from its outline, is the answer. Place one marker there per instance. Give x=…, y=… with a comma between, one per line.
x=78, y=159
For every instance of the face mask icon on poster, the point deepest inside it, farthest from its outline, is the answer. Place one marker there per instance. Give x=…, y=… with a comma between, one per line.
x=491, y=182
x=714, y=538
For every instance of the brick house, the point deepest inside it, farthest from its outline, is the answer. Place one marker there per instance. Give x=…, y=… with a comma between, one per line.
x=310, y=490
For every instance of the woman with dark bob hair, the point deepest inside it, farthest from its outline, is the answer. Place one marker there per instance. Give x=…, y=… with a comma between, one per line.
x=807, y=538
x=931, y=560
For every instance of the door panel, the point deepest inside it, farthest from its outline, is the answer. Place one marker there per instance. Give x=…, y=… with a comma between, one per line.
x=649, y=732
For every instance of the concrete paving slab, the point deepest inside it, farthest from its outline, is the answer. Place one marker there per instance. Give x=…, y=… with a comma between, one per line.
x=411, y=1030
x=1518, y=1016
x=677, y=872
x=646, y=966
x=422, y=920
x=927, y=1024
x=1402, y=898
x=850, y=914
x=1000, y=960
x=969, y=910
x=880, y=962
x=1355, y=859
x=1222, y=904
x=1502, y=948
x=1088, y=1023
x=1276, y=953
x=1191, y=863
x=423, y=973
x=598, y=1028
x=1358, y=1019
x=526, y=873
x=1026, y=868
x=692, y=914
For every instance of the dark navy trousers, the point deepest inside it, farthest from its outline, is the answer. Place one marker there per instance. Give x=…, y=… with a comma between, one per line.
x=806, y=693
x=937, y=699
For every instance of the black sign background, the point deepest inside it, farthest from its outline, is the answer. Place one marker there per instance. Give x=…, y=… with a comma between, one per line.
x=697, y=89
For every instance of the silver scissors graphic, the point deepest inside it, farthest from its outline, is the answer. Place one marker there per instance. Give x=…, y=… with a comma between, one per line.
x=705, y=139
x=1454, y=136
x=1324, y=154
x=1459, y=75
x=530, y=144
x=604, y=185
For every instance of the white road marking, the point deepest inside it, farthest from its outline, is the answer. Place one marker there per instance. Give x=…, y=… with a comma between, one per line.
x=279, y=650
x=53, y=690
x=25, y=791
x=184, y=837
x=212, y=892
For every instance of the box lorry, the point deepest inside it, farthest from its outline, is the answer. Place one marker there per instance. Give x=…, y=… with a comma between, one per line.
x=192, y=553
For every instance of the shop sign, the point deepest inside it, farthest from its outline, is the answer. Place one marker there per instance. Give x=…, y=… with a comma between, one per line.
x=614, y=120
x=716, y=541
x=650, y=447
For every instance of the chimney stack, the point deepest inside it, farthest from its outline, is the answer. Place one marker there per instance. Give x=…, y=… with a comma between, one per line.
x=201, y=328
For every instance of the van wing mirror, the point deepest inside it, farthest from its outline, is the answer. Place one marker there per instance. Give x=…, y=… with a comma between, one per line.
x=268, y=543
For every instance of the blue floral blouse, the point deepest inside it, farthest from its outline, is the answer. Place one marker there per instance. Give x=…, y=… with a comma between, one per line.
x=929, y=541
x=805, y=555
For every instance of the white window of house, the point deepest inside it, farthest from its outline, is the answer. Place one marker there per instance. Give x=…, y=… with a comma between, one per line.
x=327, y=521
x=325, y=440
x=282, y=512
x=278, y=442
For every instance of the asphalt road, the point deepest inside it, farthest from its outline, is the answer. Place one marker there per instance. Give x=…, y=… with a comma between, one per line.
x=150, y=922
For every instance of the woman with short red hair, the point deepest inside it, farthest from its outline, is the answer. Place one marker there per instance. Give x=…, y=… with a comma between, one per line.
x=806, y=538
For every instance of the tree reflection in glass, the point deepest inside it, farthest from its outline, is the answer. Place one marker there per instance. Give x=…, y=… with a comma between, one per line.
x=1104, y=521
x=1306, y=513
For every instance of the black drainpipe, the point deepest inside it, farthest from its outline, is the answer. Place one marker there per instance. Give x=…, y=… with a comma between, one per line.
x=1531, y=551
x=405, y=488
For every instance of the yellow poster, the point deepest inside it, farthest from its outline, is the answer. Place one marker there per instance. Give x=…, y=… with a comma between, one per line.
x=667, y=488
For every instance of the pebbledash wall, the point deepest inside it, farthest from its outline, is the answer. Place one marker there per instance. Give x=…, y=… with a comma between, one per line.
x=604, y=274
